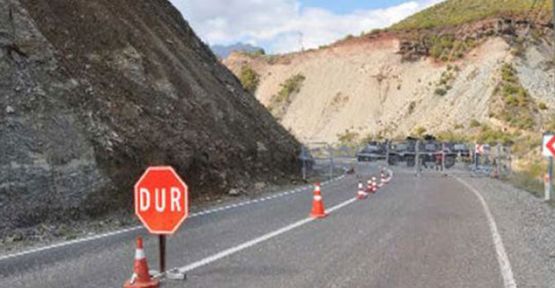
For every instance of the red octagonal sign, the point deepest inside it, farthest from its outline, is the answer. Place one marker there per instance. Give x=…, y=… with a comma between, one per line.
x=161, y=200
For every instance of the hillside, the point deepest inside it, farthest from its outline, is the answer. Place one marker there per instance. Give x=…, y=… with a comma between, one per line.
x=440, y=71
x=457, y=12
x=93, y=92
x=223, y=51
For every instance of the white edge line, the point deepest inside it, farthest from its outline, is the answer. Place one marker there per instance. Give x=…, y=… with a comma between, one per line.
x=260, y=239
x=502, y=257
x=256, y=241
x=61, y=244
x=130, y=229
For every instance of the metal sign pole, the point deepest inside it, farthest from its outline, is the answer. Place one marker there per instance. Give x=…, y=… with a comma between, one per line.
x=549, y=182
x=162, y=244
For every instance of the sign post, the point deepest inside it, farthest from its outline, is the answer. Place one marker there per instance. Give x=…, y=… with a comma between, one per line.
x=549, y=180
x=162, y=204
x=548, y=151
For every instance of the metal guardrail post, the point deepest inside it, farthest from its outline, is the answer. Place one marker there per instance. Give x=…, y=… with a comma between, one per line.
x=417, y=155
x=303, y=152
x=387, y=152
x=443, y=158
x=330, y=152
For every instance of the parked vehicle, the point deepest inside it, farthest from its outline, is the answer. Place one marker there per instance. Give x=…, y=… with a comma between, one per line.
x=372, y=152
x=429, y=152
x=461, y=150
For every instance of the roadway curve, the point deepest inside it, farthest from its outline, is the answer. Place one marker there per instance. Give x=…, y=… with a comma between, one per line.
x=428, y=231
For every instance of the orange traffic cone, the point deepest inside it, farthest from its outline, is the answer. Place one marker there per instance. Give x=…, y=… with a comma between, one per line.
x=140, y=277
x=318, y=210
x=382, y=179
x=369, y=186
x=361, y=194
x=374, y=185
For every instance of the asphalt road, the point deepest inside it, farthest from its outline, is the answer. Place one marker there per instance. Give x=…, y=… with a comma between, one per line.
x=415, y=232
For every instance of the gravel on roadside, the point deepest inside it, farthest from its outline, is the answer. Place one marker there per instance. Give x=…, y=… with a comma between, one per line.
x=527, y=227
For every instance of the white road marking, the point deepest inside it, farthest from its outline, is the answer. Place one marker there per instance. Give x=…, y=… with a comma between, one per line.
x=62, y=244
x=135, y=228
x=256, y=241
x=502, y=258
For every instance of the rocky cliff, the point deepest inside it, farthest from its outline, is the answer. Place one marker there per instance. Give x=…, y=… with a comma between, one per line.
x=439, y=70
x=93, y=92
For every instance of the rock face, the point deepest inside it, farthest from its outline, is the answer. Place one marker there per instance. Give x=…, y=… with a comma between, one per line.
x=92, y=92
x=387, y=84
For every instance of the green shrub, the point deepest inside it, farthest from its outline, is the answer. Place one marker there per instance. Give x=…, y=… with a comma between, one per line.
x=518, y=107
x=542, y=106
x=291, y=86
x=494, y=136
x=249, y=79
x=550, y=125
x=508, y=73
x=419, y=131
x=440, y=92
x=448, y=13
x=348, y=137
x=450, y=136
x=474, y=123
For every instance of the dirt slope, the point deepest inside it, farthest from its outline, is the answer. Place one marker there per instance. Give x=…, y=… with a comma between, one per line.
x=92, y=92
x=383, y=84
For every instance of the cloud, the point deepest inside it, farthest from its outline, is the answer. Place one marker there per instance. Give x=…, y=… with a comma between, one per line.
x=277, y=25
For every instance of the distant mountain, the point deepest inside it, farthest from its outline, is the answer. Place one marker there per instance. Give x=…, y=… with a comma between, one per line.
x=222, y=51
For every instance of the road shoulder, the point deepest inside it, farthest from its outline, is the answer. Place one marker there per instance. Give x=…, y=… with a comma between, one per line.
x=527, y=228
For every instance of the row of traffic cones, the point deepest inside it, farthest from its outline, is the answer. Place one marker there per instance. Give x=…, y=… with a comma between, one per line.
x=318, y=210
x=372, y=186
x=142, y=279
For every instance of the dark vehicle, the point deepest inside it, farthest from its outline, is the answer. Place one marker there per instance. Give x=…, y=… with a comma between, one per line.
x=372, y=152
x=402, y=152
x=429, y=151
x=461, y=150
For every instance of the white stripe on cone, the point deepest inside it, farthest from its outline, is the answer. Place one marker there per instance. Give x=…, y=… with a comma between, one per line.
x=317, y=197
x=139, y=254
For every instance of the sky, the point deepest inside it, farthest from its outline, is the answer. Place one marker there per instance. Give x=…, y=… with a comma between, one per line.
x=281, y=26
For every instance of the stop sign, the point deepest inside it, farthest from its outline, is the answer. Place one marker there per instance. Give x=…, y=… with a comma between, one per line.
x=161, y=200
